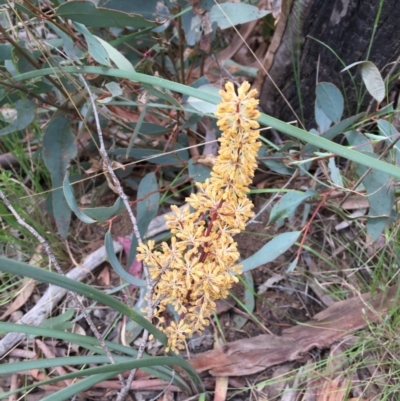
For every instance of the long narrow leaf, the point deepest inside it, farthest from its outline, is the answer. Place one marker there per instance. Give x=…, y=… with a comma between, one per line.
x=121, y=367
x=281, y=126
x=117, y=266
x=91, y=343
x=162, y=371
x=17, y=268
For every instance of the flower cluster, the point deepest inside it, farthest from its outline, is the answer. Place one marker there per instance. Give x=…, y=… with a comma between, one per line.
x=199, y=266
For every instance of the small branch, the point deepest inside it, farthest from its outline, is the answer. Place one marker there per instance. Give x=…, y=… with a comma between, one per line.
x=121, y=193
x=55, y=263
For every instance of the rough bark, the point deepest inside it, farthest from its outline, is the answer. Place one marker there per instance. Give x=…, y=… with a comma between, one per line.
x=344, y=26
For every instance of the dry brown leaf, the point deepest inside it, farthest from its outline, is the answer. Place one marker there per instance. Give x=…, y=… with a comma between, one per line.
x=249, y=356
x=104, y=276
x=334, y=390
x=356, y=202
x=20, y=300
x=221, y=383
x=126, y=115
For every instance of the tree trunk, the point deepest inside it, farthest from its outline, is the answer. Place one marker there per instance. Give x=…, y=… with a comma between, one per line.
x=301, y=52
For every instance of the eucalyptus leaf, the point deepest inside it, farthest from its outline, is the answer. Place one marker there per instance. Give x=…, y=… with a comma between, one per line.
x=85, y=12
x=198, y=172
x=117, y=57
x=271, y=250
x=149, y=202
x=58, y=149
x=392, y=135
x=288, y=204
x=249, y=301
x=323, y=122
x=227, y=15
x=102, y=214
x=25, y=115
x=372, y=79
x=70, y=198
x=330, y=101
x=95, y=48
x=335, y=173
x=112, y=258
x=380, y=192
x=201, y=105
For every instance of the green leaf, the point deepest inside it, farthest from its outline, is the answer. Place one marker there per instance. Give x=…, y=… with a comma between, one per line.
x=332, y=132
x=392, y=135
x=147, y=208
x=240, y=70
x=115, y=91
x=227, y=15
x=122, y=364
x=118, y=58
x=87, y=342
x=288, y=204
x=198, y=172
x=191, y=25
x=112, y=258
x=70, y=198
x=25, y=115
x=85, y=12
x=292, y=265
x=61, y=322
x=330, y=101
x=133, y=329
x=342, y=126
x=358, y=141
x=163, y=95
x=58, y=149
x=150, y=129
x=18, y=268
x=271, y=250
x=102, y=214
x=372, y=79
x=249, y=301
x=5, y=52
x=380, y=192
x=201, y=105
x=323, y=122
x=137, y=129
x=335, y=173
x=295, y=132
x=95, y=48
x=70, y=49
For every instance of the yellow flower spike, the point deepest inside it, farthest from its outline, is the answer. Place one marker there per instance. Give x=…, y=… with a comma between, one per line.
x=199, y=266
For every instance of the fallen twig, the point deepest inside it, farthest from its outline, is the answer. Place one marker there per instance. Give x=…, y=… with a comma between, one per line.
x=249, y=356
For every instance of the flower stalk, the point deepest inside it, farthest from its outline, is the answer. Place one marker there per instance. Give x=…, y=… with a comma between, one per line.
x=199, y=266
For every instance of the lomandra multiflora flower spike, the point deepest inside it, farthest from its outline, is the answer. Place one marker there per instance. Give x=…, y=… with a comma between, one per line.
x=199, y=266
